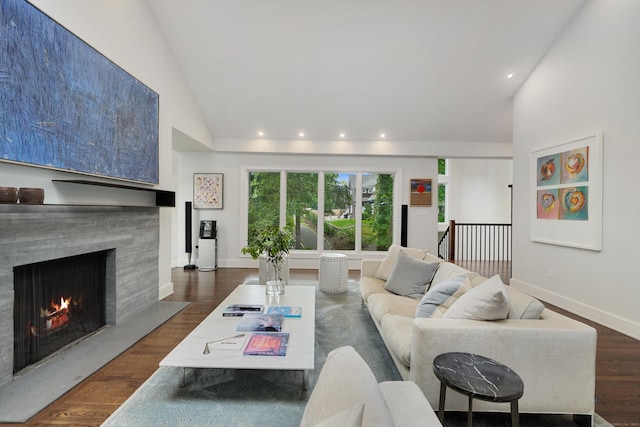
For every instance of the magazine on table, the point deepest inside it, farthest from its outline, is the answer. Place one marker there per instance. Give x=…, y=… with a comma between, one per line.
x=285, y=310
x=235, y=310
x=267, y=344
x=261, y=322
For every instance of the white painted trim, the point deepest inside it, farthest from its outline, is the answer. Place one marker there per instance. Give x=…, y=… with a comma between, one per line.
x=165, y=290
x=603, y=318
x=448, y=149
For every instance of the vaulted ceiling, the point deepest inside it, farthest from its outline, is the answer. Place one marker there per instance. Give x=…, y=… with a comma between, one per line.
x=415, y=70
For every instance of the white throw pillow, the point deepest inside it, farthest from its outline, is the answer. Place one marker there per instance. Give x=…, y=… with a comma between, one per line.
x=488, y=301
x=386, y=266
x=410, y=277
x=350, y=417
x=446, y=271
x=432, y=258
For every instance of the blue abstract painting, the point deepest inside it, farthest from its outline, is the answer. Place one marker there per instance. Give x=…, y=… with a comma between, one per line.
x=63, y=105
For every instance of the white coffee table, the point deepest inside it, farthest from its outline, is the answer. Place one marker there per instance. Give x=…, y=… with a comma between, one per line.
x=300, y=351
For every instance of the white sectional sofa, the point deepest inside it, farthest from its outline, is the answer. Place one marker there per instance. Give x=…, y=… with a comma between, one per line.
x=553, y=354
x=347, y=394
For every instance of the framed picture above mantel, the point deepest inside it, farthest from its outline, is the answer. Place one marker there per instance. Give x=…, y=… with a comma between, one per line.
x=566, y=193
x=76, y=112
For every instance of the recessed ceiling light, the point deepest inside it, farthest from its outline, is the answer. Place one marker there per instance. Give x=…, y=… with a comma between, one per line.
x=301, y=134
x=382, y=135
x=510, y=75
x=342, y=135
x=260, y=133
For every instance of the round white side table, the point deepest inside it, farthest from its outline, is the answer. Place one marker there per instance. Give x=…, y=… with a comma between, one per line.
x=333, y=272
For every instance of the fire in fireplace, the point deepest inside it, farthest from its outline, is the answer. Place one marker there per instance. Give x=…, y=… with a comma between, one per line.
x=56, y=303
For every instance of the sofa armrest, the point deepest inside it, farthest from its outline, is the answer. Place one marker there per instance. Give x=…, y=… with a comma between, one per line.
x=408, y=405
x=555, y=357
x=368, y=267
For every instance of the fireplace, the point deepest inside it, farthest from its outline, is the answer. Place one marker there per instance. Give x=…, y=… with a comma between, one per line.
x=30, y=234
x=34, y=234
x=56, y=303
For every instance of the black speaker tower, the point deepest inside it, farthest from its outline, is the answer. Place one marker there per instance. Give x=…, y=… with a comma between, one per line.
x=188, y=235
x=403, y=226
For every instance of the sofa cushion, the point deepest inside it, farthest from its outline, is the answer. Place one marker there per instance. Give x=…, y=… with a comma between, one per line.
x=447, y=270
x=523, y=306
x=488, y=301
x=397, y=334
x=432, y=258
x=386, y=266
x=381, y=304
x=351, y=417
x=440, y=297
x=345, y=381
x=410, y=277
x=369, y=285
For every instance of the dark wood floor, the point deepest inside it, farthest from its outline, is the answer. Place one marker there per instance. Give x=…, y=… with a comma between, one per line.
x=92, y=401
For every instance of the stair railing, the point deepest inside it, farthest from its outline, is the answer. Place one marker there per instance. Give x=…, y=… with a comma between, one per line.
x=476, y=242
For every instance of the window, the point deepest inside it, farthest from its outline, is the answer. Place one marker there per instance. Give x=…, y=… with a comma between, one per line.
x=443, y=180
x=339, y=211
x=377, y=211
x=332, y=210
x=302, y=209
x=264, y=201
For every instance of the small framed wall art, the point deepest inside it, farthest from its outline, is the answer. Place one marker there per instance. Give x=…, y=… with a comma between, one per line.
x=420, y=192
x=207, y=190
x=566, y=194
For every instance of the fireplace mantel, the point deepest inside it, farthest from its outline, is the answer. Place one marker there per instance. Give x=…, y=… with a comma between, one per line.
x=164, y=198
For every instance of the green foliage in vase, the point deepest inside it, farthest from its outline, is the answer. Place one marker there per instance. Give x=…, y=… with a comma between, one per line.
x=271, y=241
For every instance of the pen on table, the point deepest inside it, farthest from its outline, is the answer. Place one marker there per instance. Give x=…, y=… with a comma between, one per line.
x=206, y=345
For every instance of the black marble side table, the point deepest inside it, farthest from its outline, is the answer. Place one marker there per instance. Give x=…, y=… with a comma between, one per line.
x=478, y=377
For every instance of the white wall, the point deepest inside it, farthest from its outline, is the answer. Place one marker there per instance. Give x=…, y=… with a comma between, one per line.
x=126, y=32
x=422, y=220
x=479, y=190
x=587, y=82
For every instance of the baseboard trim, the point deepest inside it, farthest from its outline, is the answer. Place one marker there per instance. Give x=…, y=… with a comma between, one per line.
x=603, y=318
x=165, y=290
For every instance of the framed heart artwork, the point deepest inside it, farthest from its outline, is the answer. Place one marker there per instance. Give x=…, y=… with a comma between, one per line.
x=567, y=193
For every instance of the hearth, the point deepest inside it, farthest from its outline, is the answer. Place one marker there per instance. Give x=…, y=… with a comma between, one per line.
x=56, y=303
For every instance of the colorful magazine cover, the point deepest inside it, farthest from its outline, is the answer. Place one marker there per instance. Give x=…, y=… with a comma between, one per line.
x=285, y=310
x=261, y=322
x=267, y=344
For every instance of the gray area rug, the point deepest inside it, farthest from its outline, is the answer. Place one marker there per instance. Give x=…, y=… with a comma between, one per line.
x=216, y=397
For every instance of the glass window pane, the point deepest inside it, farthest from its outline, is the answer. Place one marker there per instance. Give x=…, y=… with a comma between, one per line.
x=441, y=202
x=377, y=211
x=264, y=200
x=302, y=209
x=339, y=208
x=442, y=166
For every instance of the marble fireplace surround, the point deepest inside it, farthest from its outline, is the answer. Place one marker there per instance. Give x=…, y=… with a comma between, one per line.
x=35, y=233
